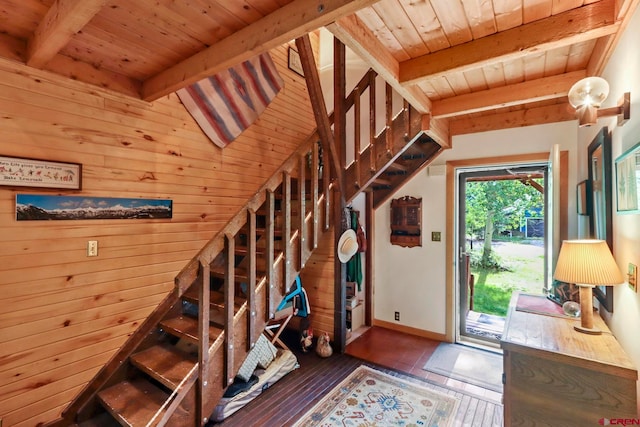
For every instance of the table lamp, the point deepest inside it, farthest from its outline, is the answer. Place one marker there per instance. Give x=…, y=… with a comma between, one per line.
x=587, y=263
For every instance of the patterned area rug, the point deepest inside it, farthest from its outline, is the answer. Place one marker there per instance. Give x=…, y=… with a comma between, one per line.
x=368, y=398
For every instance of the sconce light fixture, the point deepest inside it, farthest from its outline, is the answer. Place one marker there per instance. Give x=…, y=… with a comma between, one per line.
x=588, y=94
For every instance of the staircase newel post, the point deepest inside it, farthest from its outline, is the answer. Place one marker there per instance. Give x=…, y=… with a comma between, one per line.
x=203, y=338
x=229, y=302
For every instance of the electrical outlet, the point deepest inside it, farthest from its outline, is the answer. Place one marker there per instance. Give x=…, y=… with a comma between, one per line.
x=92, y=249
x=436, y=236
x=397, y=316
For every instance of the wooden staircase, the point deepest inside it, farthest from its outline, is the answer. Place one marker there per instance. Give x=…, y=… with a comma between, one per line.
x=224, y=297
x=393, y=156
x=175, y=368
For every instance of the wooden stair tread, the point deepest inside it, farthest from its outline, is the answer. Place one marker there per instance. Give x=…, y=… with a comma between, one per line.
x=244, y=250
x=216, y=299
x=187, y=328
x=240, y=274
x=381, y=180
x=133, y=403
x=165, y=363
x=398, y=166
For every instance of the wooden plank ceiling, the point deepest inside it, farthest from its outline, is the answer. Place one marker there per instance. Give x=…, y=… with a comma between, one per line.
x=459, y=61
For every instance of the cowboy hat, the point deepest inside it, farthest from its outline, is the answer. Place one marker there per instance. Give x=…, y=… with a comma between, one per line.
x=347, y=245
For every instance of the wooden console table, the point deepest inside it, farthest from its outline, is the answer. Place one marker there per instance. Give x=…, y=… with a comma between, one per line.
x=556, y=376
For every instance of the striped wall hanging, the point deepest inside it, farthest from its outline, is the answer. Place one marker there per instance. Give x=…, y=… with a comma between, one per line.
x=227, y=103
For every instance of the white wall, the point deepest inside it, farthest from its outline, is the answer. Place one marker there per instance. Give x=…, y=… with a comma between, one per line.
x=623, y=75
x=413, y=280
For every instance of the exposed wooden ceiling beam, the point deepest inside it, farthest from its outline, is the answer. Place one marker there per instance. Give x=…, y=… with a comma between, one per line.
x=438, y=129
x=504, y=120
x=285, y=24
x=531, y=91
x=586, y=23
x=63, y=19
x=604, y=46
x=356, y=36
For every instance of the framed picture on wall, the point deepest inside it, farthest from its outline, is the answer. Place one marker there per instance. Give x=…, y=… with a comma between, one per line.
x=582, y=197
x=600, y=204
x=628, y=181
x=27, y=172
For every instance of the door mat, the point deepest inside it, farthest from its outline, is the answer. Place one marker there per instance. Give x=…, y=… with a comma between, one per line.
x=368, y=397
x=467, y=364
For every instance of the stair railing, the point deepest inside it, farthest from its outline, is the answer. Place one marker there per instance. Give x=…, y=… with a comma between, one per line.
x=298, y=241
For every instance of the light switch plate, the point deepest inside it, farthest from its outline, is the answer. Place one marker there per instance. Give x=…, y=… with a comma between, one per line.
x=92, y=248
x=436, y=236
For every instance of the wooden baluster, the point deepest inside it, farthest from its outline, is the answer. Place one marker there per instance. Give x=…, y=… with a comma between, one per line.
x=326, y=184
x=288, y=252
x=407, y=124
x=270, y=253
x=251, y=286
x=372, y=123
x=203, y=337
x=302, y=194
x=229, y=301
x=314, y=194
x=356, y=135
x=389, y=115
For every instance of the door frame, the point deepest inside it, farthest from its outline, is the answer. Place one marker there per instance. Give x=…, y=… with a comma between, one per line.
x=452, y=217
x=463, y=176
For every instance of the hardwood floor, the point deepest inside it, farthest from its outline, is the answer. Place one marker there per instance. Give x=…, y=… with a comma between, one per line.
x=393, y=352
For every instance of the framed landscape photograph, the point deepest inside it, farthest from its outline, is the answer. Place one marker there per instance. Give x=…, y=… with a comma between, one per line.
x=628, y=181
x=25, y=172
x=47, y=207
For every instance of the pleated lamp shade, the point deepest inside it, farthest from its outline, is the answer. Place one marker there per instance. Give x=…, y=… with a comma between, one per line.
x=587, y=262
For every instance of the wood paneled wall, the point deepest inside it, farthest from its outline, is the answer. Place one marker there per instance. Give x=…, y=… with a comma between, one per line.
x=62, y=315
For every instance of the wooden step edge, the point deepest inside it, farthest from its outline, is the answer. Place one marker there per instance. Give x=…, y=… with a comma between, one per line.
x=398, y=167
x=240, y=274
x=133, y=403
x=381, y=181
x=216, y=299
x=187, y=327
x=165, y=363
x=244, y=251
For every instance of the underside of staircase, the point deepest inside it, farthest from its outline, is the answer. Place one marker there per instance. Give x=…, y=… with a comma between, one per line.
x=176, y=367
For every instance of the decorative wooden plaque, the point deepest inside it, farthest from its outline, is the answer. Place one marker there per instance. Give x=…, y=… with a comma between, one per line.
x=406, y=215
